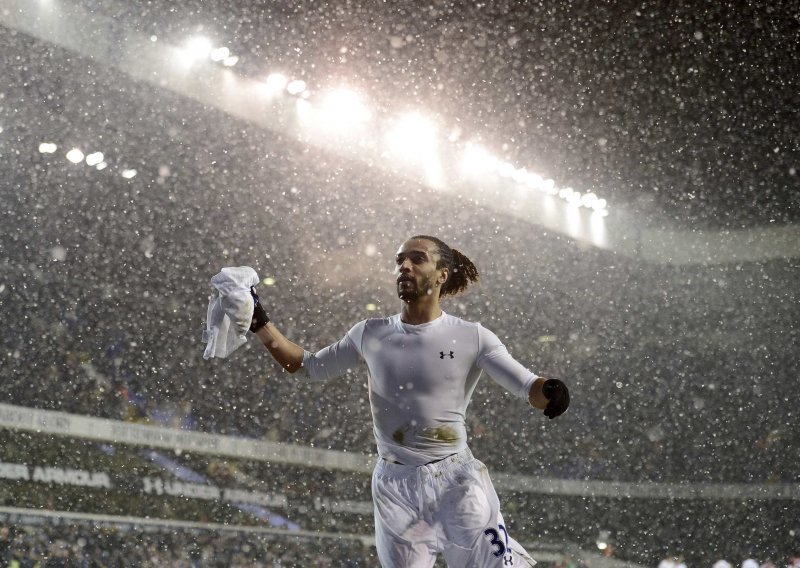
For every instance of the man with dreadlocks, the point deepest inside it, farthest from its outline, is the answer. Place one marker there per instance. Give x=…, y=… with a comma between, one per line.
x=430, y=494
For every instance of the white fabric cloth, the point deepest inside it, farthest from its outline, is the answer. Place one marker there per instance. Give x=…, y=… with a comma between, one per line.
x=230, y=311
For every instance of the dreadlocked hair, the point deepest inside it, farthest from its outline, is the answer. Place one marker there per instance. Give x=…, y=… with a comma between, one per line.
x=462, y=271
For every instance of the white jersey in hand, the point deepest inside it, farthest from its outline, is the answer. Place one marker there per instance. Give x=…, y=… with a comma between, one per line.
x=421, y=379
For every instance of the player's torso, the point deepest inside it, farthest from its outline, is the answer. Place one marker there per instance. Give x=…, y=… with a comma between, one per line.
x=421, y=379
x=429, y=361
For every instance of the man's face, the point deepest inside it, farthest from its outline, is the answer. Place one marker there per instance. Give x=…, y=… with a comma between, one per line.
x=415, y=269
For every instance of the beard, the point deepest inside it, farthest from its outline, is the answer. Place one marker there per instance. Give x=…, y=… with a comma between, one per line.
x=414, y=290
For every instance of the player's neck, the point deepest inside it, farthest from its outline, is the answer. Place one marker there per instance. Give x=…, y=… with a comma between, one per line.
x=417, y=312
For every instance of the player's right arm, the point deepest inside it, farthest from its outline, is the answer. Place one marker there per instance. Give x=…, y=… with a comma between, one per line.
x=327, y=363
x=288, y=354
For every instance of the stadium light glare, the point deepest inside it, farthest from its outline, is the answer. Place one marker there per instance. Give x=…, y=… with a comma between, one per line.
x=47, y=148
x=600, y=205
x=588, y=200
x=94, y=159
x=101, y=166
x=414, y=137
x=305, y=110
x=230, y=61
x=597, y=229
x=574, y=198
x=296, y=87
x=345, y=106
x=603, y=539
x=573, y=221
x=506, y=170
x=195, y=49
x=199, y=47
x=220, y=53
x=276, y=82
x=534, y=181
x=129, y=173
x=477, y=159
x=520, y=176
x=75, y=156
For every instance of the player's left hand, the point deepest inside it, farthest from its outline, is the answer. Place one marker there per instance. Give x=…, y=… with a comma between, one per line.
x=557, y=396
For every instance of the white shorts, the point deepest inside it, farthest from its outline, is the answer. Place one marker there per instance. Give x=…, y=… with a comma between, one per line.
x=447, y=507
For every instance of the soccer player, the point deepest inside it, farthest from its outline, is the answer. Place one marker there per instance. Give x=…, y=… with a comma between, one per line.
x=430, y=494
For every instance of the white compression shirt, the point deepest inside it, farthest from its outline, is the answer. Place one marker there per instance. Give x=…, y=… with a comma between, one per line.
x=421, y=379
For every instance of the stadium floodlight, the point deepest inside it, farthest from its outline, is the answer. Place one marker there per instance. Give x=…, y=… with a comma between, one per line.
x=230, y=61
x=603, y=539
x=296, y=87
x=520, y=176
x=549, y=186
x=506, y=170
x=199, y=47
x=75, y=156
x=276, y=82
x=129, y=173
x=532, y=180
x=94, y=159
x=220, y=53
x=413, y=137
x=589, y=200
x=570, y=195
x=101, y=166
x=47, y=148
x=476, y=159
x=195, y=49
x=344, y=106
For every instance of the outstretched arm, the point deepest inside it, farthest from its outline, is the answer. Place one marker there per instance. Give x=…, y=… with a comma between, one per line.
x=288, y=354
x=549, y=395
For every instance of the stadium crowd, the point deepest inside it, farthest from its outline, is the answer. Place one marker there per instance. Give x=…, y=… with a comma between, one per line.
x=86, y=546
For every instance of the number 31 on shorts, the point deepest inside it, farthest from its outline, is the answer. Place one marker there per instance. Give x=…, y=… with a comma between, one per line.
x=494, y=539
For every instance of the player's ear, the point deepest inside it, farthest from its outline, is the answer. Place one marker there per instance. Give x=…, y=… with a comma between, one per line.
x=444, y=276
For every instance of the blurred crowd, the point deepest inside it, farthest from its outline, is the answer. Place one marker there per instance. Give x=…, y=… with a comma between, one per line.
x=43, y=544
x=679, y=562
x=86, y=546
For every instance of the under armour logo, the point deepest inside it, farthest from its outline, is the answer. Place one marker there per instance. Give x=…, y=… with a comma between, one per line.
x=442, y=355
x=508, y=560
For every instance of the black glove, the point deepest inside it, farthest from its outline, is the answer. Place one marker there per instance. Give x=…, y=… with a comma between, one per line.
x=558, y=397
x=260, y=318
